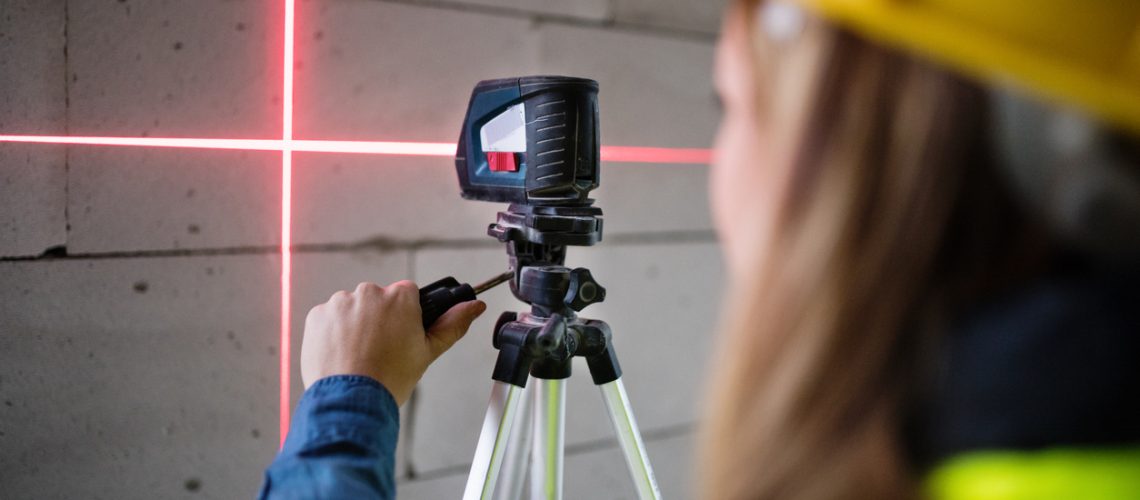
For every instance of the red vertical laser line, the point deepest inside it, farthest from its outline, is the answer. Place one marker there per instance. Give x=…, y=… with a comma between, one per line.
x=286, y=213
x=287, y=146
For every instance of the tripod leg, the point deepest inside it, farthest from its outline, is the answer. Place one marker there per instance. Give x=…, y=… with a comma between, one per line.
x=501, y=413
x=513, y=474
x=625, y=426
x=549, y=439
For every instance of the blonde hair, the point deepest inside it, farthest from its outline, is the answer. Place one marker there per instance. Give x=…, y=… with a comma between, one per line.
x=892, y=217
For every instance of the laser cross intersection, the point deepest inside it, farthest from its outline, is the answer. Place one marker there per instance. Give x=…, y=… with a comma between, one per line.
x=497, y=174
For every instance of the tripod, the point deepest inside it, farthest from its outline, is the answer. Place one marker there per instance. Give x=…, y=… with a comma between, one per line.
x=540, y=345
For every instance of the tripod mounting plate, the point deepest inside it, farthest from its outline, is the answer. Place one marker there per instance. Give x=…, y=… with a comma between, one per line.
x=578, y=225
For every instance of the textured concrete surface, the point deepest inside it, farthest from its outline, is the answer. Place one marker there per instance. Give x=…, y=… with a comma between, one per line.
x=132, y=199
x=32, y=67
x=349, y=90
x=194, y=68
x=33, y=199
x=686, y=18
x=654, y=91
x=33, y=178
x=381, y=71
x=144, y=362
x=661, y=305
x=687, y=15
x=137, y=378
x=341, y=197
x=363, y=74
x=591, y=10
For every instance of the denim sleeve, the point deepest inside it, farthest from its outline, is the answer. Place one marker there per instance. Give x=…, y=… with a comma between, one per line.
x=342, y=443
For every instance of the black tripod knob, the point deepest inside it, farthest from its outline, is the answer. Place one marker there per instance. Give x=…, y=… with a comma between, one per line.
x=584, y=290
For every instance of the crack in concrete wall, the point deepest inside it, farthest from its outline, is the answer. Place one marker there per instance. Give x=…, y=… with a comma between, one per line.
x=143, y=304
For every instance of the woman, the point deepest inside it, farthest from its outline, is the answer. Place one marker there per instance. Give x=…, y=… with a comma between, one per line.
x=906, y=295
x=933, y=267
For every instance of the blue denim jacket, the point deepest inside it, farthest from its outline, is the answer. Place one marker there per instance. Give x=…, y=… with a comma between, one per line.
x=342, y=443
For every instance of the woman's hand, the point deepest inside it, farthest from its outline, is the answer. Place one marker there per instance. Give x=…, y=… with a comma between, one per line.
x=378, y=332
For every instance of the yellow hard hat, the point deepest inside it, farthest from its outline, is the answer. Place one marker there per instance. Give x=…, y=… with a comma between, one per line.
x=1085, y=53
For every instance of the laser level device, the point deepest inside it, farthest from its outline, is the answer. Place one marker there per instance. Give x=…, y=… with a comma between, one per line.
x=533, y=142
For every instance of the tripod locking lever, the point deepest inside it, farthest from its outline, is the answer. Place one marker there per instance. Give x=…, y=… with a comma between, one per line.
x=438, y=297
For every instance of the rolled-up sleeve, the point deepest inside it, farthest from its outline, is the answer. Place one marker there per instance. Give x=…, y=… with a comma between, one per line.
x=341, y=444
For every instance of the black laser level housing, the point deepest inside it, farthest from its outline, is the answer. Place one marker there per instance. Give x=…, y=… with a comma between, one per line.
x=531, y=140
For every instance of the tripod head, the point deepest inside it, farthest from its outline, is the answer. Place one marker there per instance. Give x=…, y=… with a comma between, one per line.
x=533, y=142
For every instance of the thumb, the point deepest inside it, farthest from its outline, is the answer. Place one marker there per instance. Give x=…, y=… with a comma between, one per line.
x=453, y=325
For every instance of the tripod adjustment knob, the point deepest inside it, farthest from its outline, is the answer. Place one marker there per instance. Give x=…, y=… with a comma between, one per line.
x=584, y=290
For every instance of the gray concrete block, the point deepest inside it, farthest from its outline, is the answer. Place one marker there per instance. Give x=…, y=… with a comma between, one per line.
x=365, y=73
x=130, y=199
x=591, y=10
x=138, y=378
x=342, y=197
x=32, y=67
x=33, y=178
x=702, y=16
x=356, y=197
x=654, y=92
x=645, y=198
x=379, y=71
x=662, y=306
x=175, y=68
x=33, y=198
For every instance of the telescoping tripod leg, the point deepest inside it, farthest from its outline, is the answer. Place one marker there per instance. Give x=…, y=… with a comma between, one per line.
x=549, y=439
x=629, y=436
x=606, y=372
x=492, y=447
x=512, y=475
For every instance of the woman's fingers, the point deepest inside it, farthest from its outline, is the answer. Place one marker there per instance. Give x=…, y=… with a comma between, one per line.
x=453, y=325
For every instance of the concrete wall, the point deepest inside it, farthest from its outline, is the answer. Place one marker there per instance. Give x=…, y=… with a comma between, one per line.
x=139, y=287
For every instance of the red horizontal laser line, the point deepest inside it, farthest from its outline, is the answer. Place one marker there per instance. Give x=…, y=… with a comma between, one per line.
x=153, y=142
x=632, y=154
x=287, y=145
x=619, y=154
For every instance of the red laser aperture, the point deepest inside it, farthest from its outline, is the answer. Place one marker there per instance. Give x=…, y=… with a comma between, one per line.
x=502, y=162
